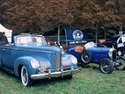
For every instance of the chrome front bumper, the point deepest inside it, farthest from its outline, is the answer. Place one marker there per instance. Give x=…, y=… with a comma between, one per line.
x=54, y=74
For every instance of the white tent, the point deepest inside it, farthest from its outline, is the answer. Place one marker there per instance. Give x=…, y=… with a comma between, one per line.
x=8, y=32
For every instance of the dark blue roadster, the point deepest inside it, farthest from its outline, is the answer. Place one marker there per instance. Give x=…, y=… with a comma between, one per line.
x=105, y=57
x=30, y=58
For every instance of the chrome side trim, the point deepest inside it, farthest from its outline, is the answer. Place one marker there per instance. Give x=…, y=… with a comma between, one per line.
x=54, y=74
x=35, y=50
x=27, y=50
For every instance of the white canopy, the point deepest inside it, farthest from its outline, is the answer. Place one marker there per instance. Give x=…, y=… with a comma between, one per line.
x=8, y=33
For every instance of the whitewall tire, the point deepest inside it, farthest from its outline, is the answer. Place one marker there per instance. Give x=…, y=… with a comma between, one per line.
x=26, y=81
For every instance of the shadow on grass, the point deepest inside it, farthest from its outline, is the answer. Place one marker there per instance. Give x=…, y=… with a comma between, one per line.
x=3, y=72
x=90, y=66
x=35, y=83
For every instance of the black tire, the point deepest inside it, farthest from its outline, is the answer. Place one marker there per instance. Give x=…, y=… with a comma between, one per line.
x=26, y=81
x=120, y=63
x=106, y=66
x=86, y=57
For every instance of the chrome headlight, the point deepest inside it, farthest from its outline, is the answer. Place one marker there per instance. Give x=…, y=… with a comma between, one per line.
x=35, y=63
x=110, y=52
x=74, y=60
x=119, y=53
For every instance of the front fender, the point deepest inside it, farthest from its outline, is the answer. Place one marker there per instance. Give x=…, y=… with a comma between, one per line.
x=68, y=58
x=73, y=52
x=24, y=61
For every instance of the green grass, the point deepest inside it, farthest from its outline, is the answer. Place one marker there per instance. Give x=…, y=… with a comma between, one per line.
x=88, y=81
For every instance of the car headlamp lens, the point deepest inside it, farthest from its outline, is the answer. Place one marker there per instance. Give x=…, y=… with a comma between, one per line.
x=119, y=53
x=34, y=63
x=74, y=60
x=110, y=52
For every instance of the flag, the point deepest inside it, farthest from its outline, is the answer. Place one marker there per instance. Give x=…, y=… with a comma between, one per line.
x=75, y=36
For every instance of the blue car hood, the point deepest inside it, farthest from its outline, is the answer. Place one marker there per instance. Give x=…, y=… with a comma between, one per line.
x=99, y=49
x=42, y=48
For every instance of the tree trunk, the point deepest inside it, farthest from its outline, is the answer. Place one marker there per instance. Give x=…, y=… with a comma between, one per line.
x=59, y=34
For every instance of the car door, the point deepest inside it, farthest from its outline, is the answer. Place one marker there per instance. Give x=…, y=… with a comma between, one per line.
x=7, y=56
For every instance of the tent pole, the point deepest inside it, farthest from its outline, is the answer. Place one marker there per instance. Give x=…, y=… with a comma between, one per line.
x=105, y=35
x=96, y=36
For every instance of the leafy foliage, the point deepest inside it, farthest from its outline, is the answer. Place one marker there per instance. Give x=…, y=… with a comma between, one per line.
x=43, y=15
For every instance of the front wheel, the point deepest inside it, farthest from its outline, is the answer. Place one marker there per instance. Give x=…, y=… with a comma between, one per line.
x=120, y=65
x=106, y=66
x=26, y=81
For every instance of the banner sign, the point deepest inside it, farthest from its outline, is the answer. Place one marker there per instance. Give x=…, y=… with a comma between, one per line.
x=75, y=36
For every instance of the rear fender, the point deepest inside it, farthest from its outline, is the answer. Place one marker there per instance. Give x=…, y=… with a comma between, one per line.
x=73, y=52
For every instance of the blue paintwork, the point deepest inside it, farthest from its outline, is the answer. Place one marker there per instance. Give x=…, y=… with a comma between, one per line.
x=13, y=55
x=73, y=52
x=98, y=53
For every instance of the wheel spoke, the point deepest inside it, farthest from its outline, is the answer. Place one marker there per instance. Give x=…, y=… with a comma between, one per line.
x=105, y=67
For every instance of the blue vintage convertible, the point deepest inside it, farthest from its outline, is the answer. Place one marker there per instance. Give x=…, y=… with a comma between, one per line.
x=30, y=58
x=105, y=57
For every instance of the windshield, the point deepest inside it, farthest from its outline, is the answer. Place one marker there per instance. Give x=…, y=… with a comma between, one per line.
x=31, y=41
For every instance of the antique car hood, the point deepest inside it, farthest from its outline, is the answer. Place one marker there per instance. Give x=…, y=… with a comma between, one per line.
x=45, y=48
x=99, y=49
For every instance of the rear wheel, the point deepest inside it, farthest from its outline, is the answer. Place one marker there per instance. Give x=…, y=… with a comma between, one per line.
x=26, y=81
x=106, y=66
x=86, y=57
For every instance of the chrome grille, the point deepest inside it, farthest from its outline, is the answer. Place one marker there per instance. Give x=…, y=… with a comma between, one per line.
x=66, y=63
x=45, y=65
x=57, y=62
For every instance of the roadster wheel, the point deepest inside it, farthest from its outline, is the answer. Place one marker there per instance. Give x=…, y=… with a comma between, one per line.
x=86, y=57
x=26, y=81
x=106, y=66
x=120, y=63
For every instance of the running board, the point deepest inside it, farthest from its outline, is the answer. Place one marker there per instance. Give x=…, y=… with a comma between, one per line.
x=10, y=71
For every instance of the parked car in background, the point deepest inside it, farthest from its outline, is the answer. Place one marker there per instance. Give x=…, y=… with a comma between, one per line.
x=49, y=41
x=30, y=58
x=90, y=53
x=118, y=42
x=111, y=42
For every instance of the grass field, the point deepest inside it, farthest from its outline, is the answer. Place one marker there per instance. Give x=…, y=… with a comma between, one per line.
x=88, y=81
